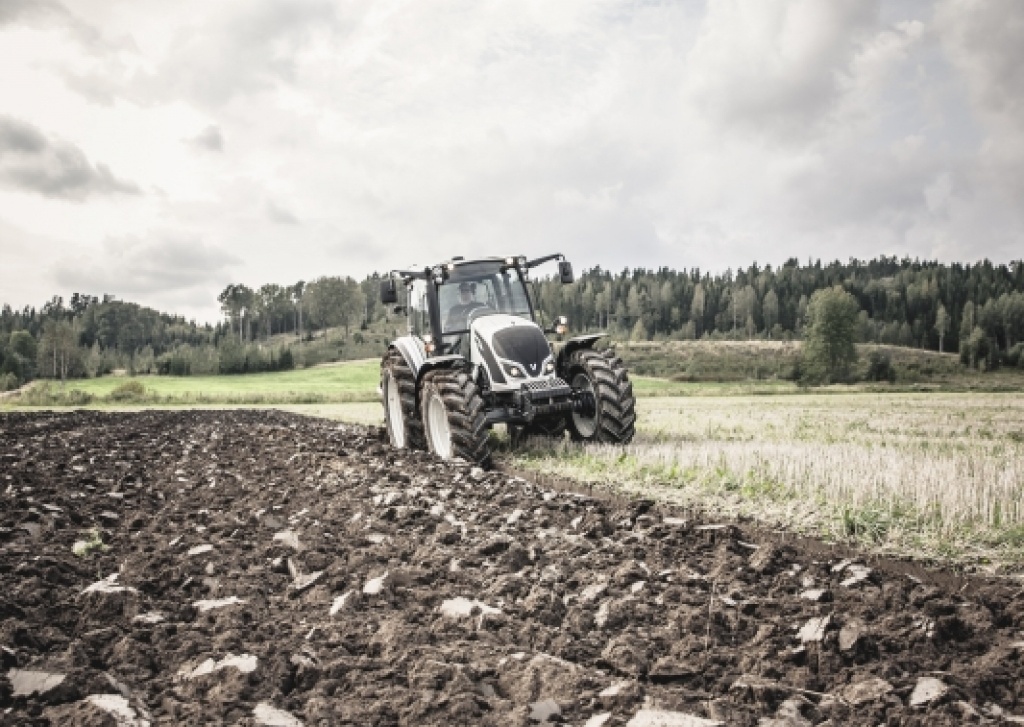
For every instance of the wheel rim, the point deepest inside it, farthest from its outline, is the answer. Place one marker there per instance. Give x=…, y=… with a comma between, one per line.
x=396, y=421
x=585, y=426
x=437, y=425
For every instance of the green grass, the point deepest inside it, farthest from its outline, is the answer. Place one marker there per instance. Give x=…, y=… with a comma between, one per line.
x=349, y=381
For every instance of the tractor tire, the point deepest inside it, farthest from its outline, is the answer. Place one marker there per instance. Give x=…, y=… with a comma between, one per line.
x=405, y=430
x=454, y=418
x=614, y=418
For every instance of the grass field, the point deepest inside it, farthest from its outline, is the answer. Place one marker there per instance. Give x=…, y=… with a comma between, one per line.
x=349, y=381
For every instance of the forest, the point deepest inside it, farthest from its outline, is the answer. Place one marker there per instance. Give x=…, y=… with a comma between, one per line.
x=974, y=309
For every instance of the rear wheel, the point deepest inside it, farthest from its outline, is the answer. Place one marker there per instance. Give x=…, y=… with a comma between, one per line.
x=613, y=419
x=398, y=386
x=453, y=416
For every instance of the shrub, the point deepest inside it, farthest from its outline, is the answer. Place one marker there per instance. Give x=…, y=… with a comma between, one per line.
x=1015, y=356
x=880, y=367
x=130, y=390
x=47, y=394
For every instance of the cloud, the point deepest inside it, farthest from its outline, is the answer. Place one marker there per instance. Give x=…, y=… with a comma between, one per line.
x=42, y=13
x=280, y=215
x=370, y=134
x=773, y=66
x=984, y=42
x=209, y=139
x=164, y=269
x=32, y=162
x=242, y=49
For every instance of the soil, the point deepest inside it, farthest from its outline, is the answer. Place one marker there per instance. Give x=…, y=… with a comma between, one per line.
x=257, y=567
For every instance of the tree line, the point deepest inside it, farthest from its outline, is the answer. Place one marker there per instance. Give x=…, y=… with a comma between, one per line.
x=974, y=309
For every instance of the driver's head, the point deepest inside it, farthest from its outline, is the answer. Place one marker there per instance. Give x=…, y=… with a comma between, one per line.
x=465, y=292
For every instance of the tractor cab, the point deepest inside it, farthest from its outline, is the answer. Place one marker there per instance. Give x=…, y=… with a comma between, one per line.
x=443, y=304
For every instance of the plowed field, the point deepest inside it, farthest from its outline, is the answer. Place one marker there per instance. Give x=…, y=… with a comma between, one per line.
x=255, y=567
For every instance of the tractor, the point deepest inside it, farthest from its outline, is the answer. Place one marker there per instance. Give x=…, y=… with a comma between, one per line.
x=474, y=356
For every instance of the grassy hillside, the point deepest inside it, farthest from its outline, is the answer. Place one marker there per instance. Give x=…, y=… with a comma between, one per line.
x=734, y=361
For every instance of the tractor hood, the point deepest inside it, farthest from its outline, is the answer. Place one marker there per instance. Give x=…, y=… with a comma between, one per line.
x=506, y=341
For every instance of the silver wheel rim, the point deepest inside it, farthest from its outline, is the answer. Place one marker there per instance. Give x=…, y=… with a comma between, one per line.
x=396, y=422
x=437, y=424
x=585, y=426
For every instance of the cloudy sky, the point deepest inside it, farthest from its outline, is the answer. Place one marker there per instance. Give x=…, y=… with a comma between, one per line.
x=159, y=150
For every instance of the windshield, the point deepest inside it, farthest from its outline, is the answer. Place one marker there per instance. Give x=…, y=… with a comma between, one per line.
x=477, y=289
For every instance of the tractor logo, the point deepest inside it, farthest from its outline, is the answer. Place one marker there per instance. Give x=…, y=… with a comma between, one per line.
x=533, y=367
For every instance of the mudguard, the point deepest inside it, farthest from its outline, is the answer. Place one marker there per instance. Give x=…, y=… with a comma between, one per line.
x=575, y=344
x=452, y=361
x=412, y=351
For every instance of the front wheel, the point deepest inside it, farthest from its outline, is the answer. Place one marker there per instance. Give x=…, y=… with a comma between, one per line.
x=453, y=416
x=398, y=385
x=613, y=418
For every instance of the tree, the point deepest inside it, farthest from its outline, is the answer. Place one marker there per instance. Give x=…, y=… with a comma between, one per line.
x=966, y=326
x=296, y=294
x=697, y=309
x=941, y=324
x=57, y=348
x=770, y=310
x=639, y=331
x=22, y=343
x=353, y=304
x=236, y=300
x=332, y=301
x=829, y=350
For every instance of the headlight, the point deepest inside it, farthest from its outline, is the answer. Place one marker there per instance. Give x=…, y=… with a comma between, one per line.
x=515, y=371
x=549, y=367
x=510, y=261
x=521, y=261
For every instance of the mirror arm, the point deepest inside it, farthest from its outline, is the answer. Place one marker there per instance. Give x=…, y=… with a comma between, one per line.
x=542, y=260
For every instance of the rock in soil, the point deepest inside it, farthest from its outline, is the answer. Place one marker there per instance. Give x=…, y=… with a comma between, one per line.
x=233, y=582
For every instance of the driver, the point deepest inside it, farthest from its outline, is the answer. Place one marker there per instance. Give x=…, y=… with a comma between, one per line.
x=458, y=313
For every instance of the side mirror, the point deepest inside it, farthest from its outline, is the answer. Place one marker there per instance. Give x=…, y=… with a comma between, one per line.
x=565, y=272
x=388, y=291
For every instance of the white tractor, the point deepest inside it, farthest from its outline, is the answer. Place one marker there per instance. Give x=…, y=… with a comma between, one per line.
x=474, y=357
